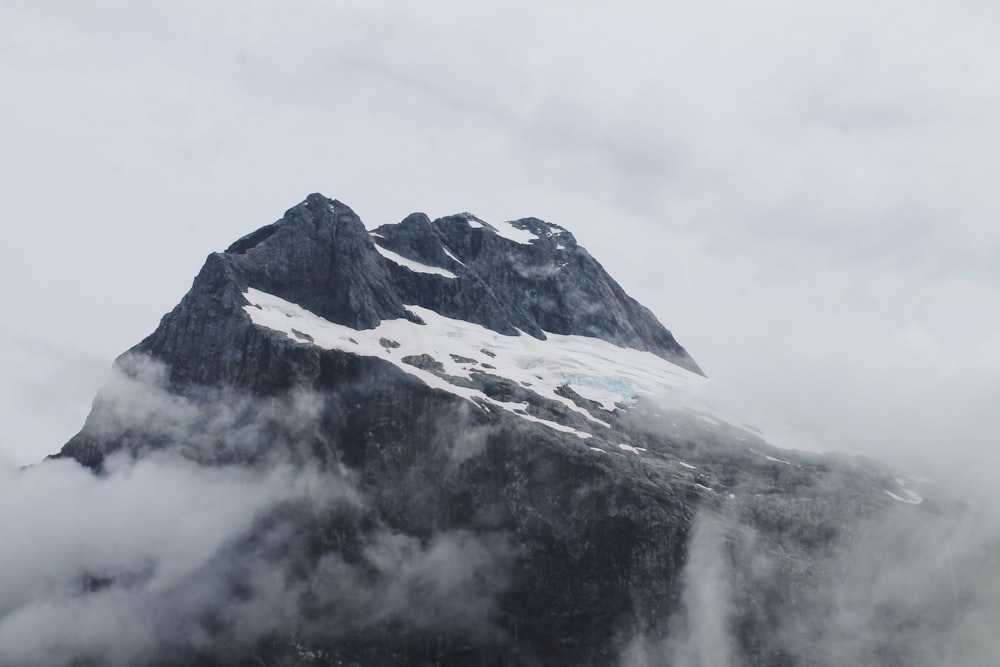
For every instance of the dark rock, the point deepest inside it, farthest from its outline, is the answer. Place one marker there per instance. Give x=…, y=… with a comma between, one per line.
x=424, y=361
x=549, y=284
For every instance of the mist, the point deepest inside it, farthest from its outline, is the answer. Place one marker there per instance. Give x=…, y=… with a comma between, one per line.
x=905, y=587
x=224, y=527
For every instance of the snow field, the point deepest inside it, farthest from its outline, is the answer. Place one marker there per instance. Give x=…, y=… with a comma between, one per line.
x=596, y=369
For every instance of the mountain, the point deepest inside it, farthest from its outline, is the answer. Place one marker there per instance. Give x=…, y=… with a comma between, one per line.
x=516, y=469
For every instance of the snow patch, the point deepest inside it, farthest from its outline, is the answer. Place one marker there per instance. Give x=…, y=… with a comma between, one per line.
x=450, y=254
x=708, y=418
x=608, y=391
x=770, y=458
x=594, y=368
x=911, y=497
x=512, y=233
x=416, y=267
x=503, y=229
x=544, y=364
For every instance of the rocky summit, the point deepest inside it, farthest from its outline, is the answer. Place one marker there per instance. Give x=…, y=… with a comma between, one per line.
x=515, y=469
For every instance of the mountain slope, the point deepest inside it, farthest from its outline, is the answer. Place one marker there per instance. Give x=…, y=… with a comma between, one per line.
x=531, y=478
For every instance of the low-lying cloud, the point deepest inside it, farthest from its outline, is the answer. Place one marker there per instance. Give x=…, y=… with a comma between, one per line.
x=232, y=536
x=89, y=561
x=905, y=588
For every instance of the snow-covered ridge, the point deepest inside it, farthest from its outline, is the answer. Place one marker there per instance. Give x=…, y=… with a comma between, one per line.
x=503, y=229
x=512, y=233
x=595, y=369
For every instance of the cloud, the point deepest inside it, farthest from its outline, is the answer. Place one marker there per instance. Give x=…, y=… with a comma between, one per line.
x=448, y=585
x=91, y=561
x=902, y=587
x=701, y=634
x=138, y=411
x=163, y=557
x=234, y=534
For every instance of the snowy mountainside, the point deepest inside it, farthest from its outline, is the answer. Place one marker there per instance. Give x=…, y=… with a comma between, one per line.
x=448, y=354
x=528, y=471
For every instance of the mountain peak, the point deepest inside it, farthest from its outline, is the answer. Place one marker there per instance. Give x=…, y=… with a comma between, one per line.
x=482, y=399
x=319, y=266
x=308, y=218
x=527, y=275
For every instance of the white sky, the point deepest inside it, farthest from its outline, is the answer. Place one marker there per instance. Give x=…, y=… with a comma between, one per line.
x=804, y=193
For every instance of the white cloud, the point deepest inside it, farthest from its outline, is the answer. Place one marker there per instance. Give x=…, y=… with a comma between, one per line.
x=145, y=531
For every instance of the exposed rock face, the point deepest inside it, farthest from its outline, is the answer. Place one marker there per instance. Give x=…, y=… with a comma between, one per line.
x=321, y=257
x=547, y=284
x=572, y=518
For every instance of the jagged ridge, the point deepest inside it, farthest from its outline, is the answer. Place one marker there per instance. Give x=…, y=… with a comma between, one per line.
x=321, y=257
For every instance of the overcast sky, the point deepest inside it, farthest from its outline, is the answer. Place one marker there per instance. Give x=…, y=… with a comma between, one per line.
x=805, y=193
